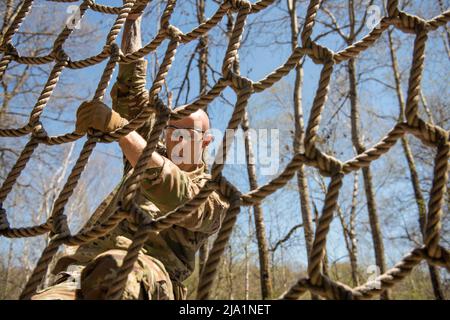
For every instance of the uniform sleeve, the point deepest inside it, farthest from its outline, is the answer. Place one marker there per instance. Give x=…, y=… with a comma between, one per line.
x=128, y=92
x=169, y=187
x=208, y=218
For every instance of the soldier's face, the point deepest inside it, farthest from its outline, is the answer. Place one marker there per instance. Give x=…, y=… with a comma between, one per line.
x=184, y=142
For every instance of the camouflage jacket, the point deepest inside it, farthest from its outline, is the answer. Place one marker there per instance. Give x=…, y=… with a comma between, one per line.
x=163, y=189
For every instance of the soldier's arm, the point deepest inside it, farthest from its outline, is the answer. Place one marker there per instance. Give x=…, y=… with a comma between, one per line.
x=168, y=187
x=165, y=184
x=128, y=92
x=132, y=146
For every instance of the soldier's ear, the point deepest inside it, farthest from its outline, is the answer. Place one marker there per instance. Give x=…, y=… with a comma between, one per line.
x=207, y=139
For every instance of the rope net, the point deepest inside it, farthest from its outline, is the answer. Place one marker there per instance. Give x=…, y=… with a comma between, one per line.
x=316, y=282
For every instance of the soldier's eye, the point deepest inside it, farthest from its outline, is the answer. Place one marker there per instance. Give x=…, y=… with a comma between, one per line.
x=180, y=134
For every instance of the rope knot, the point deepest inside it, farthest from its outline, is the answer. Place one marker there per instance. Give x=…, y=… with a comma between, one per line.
x=430, y=135
x=60, y=227
x=59, y=237
x=392, y=8
x=440, y=258
x=112, y=49
x=174, y=33
x=239, y=82
x=410, y=23
x=161, y=107
x=97, y=135
x=38, y=131
x=328, y=165
x=9, y=49
x=336, y=290
x=225, y=187
x=237, y=5
x=60, y=55
x=320, y=54
x=335, y=166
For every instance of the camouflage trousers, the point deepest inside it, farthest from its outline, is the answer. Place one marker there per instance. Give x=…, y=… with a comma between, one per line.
x=148, y=280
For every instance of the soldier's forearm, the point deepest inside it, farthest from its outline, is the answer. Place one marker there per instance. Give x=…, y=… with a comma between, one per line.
x=132, y=40
x=133, y=145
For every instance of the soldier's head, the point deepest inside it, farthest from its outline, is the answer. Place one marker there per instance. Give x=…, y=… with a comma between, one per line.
x=187, y=138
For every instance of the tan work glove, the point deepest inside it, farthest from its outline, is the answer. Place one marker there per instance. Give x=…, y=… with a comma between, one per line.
x=137, y=10
x=97, y=115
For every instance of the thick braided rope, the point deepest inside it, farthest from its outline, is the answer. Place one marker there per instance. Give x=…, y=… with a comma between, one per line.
x=318, y=248
x=132, y=184
x=327, y=165
x=23, y=232
x=59, y=219
x=412, y=103
x=17, y=169
x=436, y=201
x=10, y=53
x=257, y=195
x=171, y=218
x=14, y=27
x=316, y=110
x=41, y=267
x=220, y=243
x=116, y=287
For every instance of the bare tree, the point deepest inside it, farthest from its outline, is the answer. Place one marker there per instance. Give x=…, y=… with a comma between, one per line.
x=419, y=197
x=299, y=133
x=349, y=230
x=35, y=191
x=349, y=38
x=263, y=247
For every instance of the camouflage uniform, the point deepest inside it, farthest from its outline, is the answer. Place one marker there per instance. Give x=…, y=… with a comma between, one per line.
x=168, y=257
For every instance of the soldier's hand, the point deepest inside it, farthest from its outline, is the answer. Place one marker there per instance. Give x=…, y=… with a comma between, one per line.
x=137, y=10
x=97, y=115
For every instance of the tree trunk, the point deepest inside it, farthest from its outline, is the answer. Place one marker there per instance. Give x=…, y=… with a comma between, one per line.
x=325, y=268
x=247, y=257
x=230, y=273
x=202, y=49
x=202, y=257
x=247, y=272
x=350, y=235
x=447, y=32
x=367, y=175
x=263, y=248
x=420, y=199
x=302, y=182
x=7, y=17
x=7, y=272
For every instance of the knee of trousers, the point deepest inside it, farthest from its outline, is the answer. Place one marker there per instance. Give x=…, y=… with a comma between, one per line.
x=148, y=279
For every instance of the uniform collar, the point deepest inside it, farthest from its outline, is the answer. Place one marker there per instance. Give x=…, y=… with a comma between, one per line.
x=200, y=170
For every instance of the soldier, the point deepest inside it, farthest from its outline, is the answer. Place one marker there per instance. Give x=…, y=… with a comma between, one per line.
x=168, y=257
